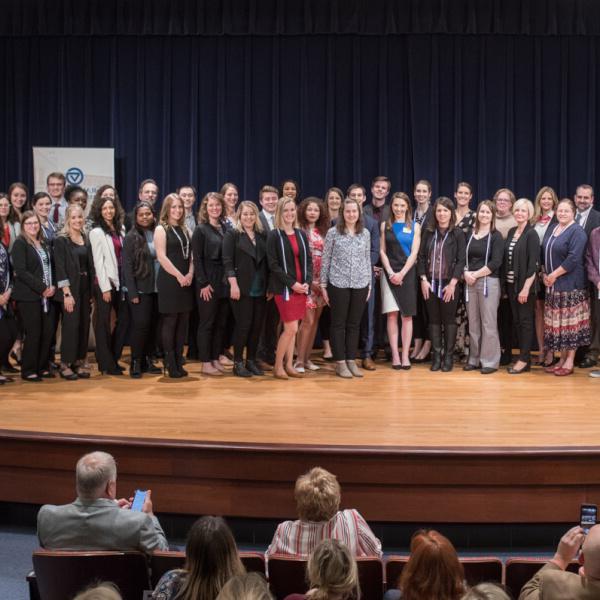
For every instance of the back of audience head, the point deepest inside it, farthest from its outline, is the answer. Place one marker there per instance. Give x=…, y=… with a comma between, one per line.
x=433, y=570
x=486, y=591
x=590, y=553
x=249, y=586
x=101, y=591
x=211, y=559
x=332, y=573
x=94, y=473
x=317, y=495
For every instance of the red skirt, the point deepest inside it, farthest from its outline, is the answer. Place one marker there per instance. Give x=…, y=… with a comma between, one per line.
x=292, y=309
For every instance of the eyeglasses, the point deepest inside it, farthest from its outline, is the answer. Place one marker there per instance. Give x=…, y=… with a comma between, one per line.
x=30, y=223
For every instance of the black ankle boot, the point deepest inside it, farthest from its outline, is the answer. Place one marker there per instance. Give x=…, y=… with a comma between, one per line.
x=240, y=370
x=179, y=360
x=450, y=340
x=171, y=366
x=148, y=366
x=435, y=333
x=254, y=368
x=135, y=371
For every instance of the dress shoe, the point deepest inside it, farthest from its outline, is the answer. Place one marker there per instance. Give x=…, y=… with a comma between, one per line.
x=264, y=366
x=148, y=366
x=277, y=374
x=353, y=368
x=470, y=367
x=68, y=374
x=300, y=368
x=239, y=370
x=550, y=369
x=291, y=372
x=587, y=363
x=562, y=372
x=210, y=369
x=425, y=359
x=310, y=365
x=397, y=367
x=525, y=369
x=254, y=368
x=406, y=367
x=595, y=373
x=8, y=368
x=47, y=375
x=367, y=365
x=342, y=370
x=487, y=370
x=135, y=371
x=32, y=379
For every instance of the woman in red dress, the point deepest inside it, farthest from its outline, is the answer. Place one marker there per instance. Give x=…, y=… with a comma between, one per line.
x=290, y=266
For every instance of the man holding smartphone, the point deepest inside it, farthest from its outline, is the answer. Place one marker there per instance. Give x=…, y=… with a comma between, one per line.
x=553, y=582
x=97, y=520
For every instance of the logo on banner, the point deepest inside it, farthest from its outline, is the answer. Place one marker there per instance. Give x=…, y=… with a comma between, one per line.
x=74, y=175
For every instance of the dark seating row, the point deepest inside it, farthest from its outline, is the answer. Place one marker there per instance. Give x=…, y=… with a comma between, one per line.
x=59, y=574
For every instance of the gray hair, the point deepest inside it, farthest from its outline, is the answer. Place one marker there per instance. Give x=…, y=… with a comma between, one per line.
x=93, y=472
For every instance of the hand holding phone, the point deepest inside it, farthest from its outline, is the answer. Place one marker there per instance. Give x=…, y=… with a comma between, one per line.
x=588, y=516
x=138, y=500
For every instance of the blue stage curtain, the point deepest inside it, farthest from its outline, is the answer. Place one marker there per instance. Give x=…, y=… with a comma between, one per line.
x=495, y=110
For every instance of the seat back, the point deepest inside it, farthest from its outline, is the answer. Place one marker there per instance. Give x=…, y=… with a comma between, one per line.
x=477, y=569
x=62, y=574
x=519, y=570
x=162, y=561
x=287, y=575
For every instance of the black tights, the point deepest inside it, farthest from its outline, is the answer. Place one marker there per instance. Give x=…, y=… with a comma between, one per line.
x=173, y=331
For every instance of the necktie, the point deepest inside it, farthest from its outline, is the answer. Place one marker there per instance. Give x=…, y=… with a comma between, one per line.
x=56, y=214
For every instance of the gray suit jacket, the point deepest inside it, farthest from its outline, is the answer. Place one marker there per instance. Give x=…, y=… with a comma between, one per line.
x=98, y=525
x=552, y=583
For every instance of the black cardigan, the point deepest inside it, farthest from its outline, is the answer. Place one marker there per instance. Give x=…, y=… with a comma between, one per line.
x=283, y=272
x=28, y=283
x=454, y=253
x=135, y=285
x=66, y=265
x=207, y=248
x=242, y=259
x=526, y=255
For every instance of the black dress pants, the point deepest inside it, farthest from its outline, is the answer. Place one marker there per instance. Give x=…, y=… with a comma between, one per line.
x=8, y=334
x=212, y=320
x=249, y=314
x=347, y=306
x=144, y=316
x=75, y=330
x=523, y=319
x=38, y=325
x=109, y=344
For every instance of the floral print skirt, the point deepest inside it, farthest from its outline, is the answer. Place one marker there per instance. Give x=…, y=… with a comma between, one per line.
x=567, y=320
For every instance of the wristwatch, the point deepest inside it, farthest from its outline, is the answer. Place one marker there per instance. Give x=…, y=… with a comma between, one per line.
x=424, y=278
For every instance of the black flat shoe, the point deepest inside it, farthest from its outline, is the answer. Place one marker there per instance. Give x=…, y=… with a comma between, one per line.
x=405, y=367
x=72, y=376
x=33, y=379
x=8, y=368
x=396, y=367
x=422, y=360
x=525, y=369
x=487, y=370
x=470, y=367
x=47, y=375
x=112, y=372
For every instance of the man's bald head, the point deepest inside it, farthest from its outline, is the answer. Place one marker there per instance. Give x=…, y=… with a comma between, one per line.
x=591, y=553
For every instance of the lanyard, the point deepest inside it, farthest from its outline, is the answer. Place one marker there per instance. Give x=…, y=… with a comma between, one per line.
x=433, y=282
x=485, y=279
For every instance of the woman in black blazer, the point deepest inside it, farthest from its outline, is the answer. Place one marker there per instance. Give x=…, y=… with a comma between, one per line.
x=139, y=277
x=440, y=265
x=212, y=291
x=290, y=266
x=74, y=267
x=33, y=289
x=519, y=272
x=8, y=324
x=245, y=263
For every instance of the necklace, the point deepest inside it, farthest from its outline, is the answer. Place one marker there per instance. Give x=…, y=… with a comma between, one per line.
x=185, y=248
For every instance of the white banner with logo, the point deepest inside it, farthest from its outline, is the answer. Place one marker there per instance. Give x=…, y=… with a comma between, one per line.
x=87, y=167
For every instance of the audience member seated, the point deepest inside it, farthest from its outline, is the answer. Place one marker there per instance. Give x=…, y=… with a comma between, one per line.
x=249, y=586
x=97, y=520
x=331, y=572
x=553, y=582
x=433, y=570
x=211, y=561
x=318, y=497
x=486, y=591
x=101, y=591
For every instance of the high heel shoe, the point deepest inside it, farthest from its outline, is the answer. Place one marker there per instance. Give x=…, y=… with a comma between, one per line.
x=171, y=366
x=68, y=374
x=525, y=369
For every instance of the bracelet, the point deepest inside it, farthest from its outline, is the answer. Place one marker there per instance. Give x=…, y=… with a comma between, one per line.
x=68, y=295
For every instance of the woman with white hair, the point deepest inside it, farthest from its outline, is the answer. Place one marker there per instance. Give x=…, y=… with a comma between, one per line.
x=521, y=252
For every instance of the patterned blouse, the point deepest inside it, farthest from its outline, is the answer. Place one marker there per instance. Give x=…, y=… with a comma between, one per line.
x=315, y=244
x=346, y=261
x=169, y=585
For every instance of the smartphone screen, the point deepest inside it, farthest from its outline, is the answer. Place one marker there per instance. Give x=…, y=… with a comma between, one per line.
x=138, y=500
x=588, y=516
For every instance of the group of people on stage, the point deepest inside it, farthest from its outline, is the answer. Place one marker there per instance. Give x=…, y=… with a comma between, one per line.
x=453, y=281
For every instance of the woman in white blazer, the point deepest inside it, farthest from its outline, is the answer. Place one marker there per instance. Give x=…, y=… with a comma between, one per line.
x=106, y=239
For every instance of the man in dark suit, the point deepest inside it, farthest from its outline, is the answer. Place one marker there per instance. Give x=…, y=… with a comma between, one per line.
x=97, y=520
x=553, y=582
x=379, y=210
x=367, y=327
x=589, y=219
x=268, y=198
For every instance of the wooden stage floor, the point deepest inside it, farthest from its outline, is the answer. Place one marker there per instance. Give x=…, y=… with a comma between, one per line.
x=392, y=429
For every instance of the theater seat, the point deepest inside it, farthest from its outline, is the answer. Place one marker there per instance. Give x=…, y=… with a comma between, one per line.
x=519, y=570
x=287, y=575
x=162, y=561
x=60, y=574
x=477, y=569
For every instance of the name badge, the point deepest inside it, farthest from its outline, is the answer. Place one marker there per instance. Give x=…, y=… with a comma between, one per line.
x=406, y=229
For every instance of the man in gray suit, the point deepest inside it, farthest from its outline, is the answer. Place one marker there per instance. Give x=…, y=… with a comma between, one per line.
x=97, y=520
